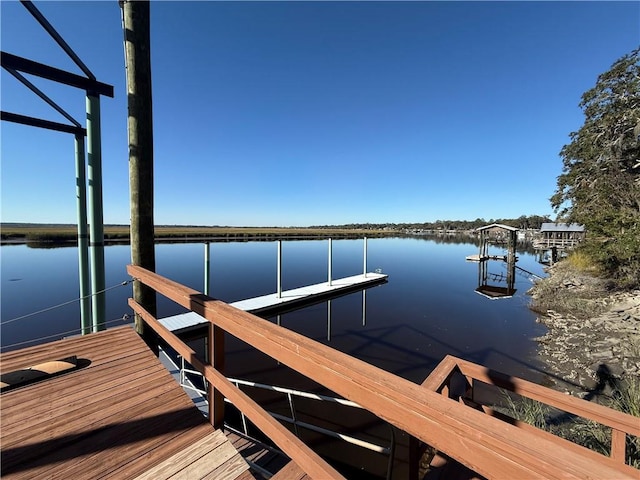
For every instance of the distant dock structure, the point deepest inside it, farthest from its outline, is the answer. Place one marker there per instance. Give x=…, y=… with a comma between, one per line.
x=496, y=234
x=557, y=237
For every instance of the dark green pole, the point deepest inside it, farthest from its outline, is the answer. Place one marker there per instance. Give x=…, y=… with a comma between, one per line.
x=83, y=240
x=96, y=229
x=137, y=41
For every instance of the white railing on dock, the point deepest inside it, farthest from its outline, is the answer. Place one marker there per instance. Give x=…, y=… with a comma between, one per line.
x=291, y=394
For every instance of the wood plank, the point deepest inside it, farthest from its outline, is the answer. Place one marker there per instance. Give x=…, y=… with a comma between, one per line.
x=104, y=450
x=82, y=345
x=41, y=425
x=440, y=375
x=247, y=475
x=172, y=443
x=291, y=471
x=210, y=462
x=117, y=426
x=51, y=452
x=76, y=385
x=229, y=470
x=173, y=464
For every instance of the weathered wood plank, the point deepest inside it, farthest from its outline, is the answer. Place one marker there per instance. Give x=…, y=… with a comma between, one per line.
x=77, y=417
x=291, y=471
x=182, y=459
x=229, y=470
x=211, y=462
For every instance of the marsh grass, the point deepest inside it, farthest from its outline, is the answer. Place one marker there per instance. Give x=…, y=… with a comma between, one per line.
x=68, y=233
x=583, y=262
x=527, y=410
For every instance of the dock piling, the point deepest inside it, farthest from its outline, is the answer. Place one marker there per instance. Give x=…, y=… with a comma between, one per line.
x=330, y=262
x=279, y=274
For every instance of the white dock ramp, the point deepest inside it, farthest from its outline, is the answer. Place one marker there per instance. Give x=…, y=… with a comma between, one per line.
x=287, y=298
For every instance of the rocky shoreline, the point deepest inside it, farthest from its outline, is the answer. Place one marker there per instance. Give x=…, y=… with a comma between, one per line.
x=593, y=338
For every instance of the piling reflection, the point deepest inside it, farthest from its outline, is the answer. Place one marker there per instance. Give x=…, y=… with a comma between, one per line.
x=494, y=285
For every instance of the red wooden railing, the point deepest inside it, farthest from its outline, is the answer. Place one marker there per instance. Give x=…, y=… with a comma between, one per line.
x=487, y=445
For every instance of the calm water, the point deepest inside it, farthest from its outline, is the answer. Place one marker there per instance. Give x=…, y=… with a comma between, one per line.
x=428, y=308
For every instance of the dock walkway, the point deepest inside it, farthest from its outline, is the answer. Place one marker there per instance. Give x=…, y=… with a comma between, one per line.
x=289, y=298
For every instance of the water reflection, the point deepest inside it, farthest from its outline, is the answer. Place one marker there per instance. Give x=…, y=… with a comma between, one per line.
x=494, y=285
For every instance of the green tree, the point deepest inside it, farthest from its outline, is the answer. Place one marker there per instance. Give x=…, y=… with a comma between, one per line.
x=600, y=182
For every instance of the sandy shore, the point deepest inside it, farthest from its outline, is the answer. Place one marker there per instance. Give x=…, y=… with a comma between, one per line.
x=594, y=335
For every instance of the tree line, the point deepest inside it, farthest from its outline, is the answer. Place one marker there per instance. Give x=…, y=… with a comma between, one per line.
x=523, y=222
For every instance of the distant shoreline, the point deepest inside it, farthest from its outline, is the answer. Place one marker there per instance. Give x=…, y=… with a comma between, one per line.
x=66, y=235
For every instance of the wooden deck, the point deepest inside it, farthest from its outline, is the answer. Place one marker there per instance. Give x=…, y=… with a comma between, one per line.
x=120, y=416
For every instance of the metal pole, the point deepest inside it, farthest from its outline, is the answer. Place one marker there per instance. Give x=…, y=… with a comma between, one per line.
x=364, y=270
x=83, y=238
x=329, y=320
x=330, y=260
x=279, y=274
x=96, y=228
x=207, y=271
x=364, y=307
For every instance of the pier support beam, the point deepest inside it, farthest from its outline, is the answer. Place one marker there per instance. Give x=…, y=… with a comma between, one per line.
x=137, y=43
x=83, y=237
x=96, y=227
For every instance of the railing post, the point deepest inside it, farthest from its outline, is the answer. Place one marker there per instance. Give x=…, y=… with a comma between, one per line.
x=279, y=274
x=329, y=320
x=364, y=270
x=207, y=268
x=618, y=445
x=216, y=360
x=330, y=262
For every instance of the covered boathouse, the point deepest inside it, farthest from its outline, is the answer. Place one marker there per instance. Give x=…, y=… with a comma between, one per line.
x=560, y=235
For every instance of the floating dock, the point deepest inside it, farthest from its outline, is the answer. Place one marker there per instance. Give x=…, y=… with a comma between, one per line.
x=273, y=302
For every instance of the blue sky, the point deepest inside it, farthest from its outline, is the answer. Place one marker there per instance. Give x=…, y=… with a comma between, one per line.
x=308, y=113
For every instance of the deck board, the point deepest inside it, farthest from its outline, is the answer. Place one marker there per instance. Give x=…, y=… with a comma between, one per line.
x=118, y=417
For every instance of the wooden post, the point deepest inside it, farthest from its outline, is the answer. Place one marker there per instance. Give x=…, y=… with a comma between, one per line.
x=216, y=359
x=137, y=43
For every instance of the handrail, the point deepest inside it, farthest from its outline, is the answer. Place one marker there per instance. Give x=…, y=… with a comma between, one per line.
x=486, y=445
x=620, y=423
x=290, y=394
x=314, y=465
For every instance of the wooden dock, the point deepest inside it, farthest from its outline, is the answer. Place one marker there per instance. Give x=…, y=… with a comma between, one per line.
x=273, y=303
x=119, y=414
